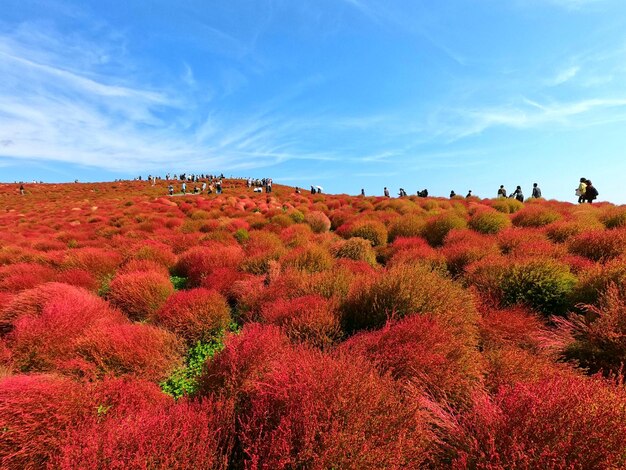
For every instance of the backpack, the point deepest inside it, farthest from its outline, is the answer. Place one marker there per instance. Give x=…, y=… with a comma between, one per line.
x=591, y=192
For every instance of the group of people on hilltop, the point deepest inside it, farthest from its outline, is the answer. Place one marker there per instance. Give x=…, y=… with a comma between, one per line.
x=518, y=194
x=586, y=191
x=213, y=186
x=259, y=185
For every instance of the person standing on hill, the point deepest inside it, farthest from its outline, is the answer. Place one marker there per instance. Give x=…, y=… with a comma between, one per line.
x=501, y=191
x=362, y=192
x=22, y=191
x=386, y=192
x=452, y=194
x=580, y=191
x=518, y=194
x=183, y=188
x=469, y=194
x=536, y=191
x=590, y=192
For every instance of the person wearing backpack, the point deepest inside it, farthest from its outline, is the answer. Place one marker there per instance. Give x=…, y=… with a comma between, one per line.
x=590, y=192
x=501, y=191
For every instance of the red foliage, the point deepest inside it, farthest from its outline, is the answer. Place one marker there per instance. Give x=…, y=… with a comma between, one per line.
x=556, y=423
x=38, y=413
x=463, y=247
x=199, y=262
x=140, y=294
x=421, y=350
x=22, y=276
x=35, y=413
x=314, y=411
x=196, y=314
x=79, y=278
x=311, y=319
x=158, y=252
x=245, y=358
x=47, y=334
x=139, y=350
x=99, y=261
x=172, y=436
x=318, y=221
x=599, y=245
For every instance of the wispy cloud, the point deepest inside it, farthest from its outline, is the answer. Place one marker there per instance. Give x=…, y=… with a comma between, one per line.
x=563, y=76
x=461, y=123
x=52, y=111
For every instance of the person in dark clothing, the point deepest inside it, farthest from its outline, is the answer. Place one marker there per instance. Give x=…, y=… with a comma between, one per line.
x=501, y=191
x=590, y=192
x=536, y=191
x=22, y=191
x=452, y=194
x=518, y=194
x=313, y=190
x=362, y=192
x=469, y=194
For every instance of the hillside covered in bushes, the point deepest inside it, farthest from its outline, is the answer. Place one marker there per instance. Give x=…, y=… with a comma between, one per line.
x=292, y=331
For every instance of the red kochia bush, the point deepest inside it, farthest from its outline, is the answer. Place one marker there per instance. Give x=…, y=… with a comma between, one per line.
x=143, y=351
x=318, y=221
x=246, y=357
x=41, y=339
x=79, y=278
x=196, y=314
x=311, y=319
x=99, y=261
x=38, y=413
x=556, y=423
x=421, y=350
x=599, y=245
x=172, y=436
x=21, y=276
x=140, y=294
x=315, y=411
x=201, y=261
x=35, y=413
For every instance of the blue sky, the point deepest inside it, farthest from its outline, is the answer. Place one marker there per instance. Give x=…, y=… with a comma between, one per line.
x=347, y=94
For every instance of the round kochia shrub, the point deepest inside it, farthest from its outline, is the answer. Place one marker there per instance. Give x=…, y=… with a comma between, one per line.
x=311, y=410
x=405, y=290
x=39, y=413
x=357, y=249
x=311, y=319
x=318, y=221
x=311, y=258
x=437, y=228
x=199, y=262
x=599, y=245
x=181, y=435
x=421, y=350
x=371, y=230
x=195, y=315
x=407, y=226
x=535, y=216
x=140, y=294
x=544, y=285
x=489, y=221
x=562, y=421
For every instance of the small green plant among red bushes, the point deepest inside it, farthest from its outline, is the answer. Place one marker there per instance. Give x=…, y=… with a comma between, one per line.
x=246, y=331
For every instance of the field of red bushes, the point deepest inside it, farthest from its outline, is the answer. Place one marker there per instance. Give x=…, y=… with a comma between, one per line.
x=301, y=331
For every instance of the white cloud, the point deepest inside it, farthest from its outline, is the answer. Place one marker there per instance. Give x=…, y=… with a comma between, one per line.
x=563, y=76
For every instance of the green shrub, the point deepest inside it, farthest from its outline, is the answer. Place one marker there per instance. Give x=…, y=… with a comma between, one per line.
x=437, y=228
x=371, y=230
x=409, y=290
x=507, y=205
x=487, y=222
x=614, y=218
x=357, y=249
x=544, y=285
x=184, y=381
x=241, y=235
x=407, y=226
